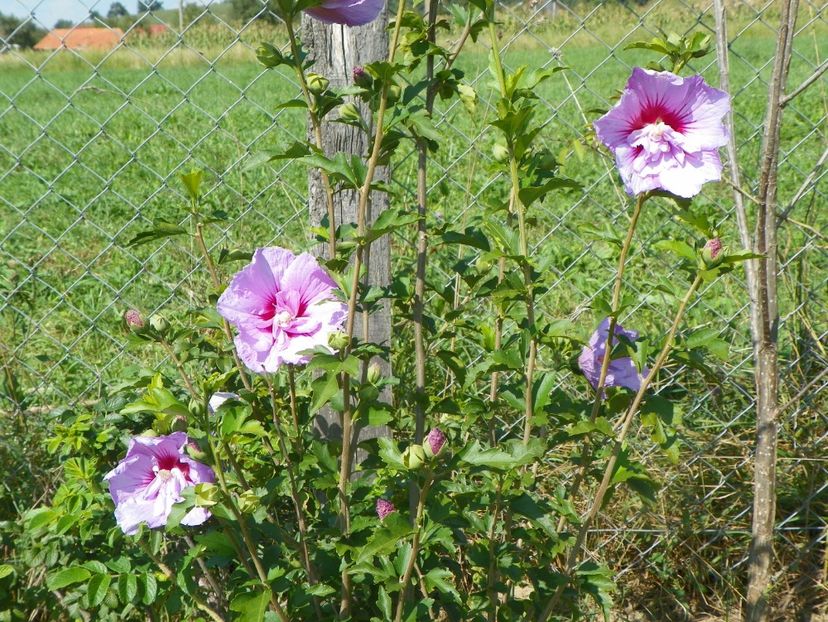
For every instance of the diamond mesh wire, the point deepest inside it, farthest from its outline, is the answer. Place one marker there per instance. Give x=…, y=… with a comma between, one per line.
x=92, y=143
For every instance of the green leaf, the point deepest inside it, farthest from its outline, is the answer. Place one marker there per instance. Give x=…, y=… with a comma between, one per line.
x=127, y=587
x=385, y=539
x=682, y=249
x=149, y=588
x=97, y=589
x=6, y=570
x=320, y=589
x=324, y=388
x=67, y=576
x=192, y=183
x=509, y=455
x=160, y=229
x=441, y=579
x=251, y=606
x=390, y=454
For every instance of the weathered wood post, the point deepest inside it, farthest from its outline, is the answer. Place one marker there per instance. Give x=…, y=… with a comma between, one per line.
x=336, y=50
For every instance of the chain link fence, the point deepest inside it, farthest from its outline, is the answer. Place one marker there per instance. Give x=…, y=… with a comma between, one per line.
x=92, y=142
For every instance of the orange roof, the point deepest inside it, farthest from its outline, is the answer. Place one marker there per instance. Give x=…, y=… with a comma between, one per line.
x=157, y=29
x=80, y=38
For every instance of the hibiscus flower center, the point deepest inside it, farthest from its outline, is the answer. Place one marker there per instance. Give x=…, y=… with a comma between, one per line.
x=164, y=475
x=656, y=130
x=283, y=318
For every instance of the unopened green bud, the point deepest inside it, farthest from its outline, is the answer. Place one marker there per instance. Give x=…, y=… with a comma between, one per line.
x=179, y=424
x=338, y=340
x=159, y=324
x=350, y=113
x=206, y=494
x=374, y=373
x=195, y=452
x=500, y=153
x=269, y=56
x=317, y=84
x=248, y=502
x=393, y=94
x=413, y=457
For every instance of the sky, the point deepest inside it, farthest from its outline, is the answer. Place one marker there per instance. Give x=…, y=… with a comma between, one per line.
x=47, y=12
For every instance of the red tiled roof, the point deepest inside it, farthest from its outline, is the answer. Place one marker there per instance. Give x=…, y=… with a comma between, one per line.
x=80, y=38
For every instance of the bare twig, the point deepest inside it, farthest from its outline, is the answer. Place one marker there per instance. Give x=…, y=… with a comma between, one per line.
x=805, y=84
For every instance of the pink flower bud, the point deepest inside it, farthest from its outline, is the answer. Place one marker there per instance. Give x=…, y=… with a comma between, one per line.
x=712, y=253
x=435, y=441
x=361, y=77
x=133, y=319
x=384, y=508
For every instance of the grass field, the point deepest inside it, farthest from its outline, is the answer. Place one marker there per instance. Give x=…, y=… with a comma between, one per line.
x=91, y=147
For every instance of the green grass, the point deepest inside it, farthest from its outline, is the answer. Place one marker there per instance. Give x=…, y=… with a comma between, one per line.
x=90, y=150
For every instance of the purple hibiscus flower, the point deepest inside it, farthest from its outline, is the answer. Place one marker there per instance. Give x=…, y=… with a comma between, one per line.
x=281, y=305
x=622, y=372
x=665, y=132
x=347, y=12
x=150, y=478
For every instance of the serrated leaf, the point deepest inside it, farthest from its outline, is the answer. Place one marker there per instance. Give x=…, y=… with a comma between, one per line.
x=251, y=606
x=97, y=589
x=127, y=588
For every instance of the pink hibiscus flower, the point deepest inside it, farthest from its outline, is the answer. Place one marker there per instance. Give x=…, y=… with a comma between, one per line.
x=149, y=480
x=282, y=305
x=622, y=371
x=347, y=12
x=665, y=132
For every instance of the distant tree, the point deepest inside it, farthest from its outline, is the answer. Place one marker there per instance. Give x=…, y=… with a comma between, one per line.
x=17, y=31
x=116, y=9
x=245, y=10
x=64, y=23
x=192, y=12
x=145, y=6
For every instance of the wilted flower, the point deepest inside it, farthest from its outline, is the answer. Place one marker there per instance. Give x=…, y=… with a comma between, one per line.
x=218, y=398
x=281, y=305
x=384, y=508
x=347, y=12
x=150, y=478
x=622, y=372
x=434, y=442
x=665, y=132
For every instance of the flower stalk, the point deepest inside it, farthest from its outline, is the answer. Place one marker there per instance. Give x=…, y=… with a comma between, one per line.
x=613, y=323
x=415, y=547
x=586, y=522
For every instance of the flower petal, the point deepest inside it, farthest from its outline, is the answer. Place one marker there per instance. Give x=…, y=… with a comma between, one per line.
x=347, y=12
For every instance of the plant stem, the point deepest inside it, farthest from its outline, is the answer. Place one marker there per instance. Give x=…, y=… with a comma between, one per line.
x=294, y=492
x=228, y=333
x=524, y=250
x=575, y=552
x=205, y=570
x=415, y=545
x=316, y=124
x=181, y=371
x=347, y=414
x=245, y=533
x=602, y=378
x=294, y=411
x=422, y=243
x=170, y=575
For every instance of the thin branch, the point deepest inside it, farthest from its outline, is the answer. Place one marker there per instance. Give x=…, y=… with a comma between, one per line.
x=805, y=84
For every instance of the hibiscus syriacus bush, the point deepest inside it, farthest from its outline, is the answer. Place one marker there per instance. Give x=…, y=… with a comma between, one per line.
x=249, y=484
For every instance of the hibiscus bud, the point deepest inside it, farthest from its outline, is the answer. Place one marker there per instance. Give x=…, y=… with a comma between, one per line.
x=338, y=340
x=374, y=373
x=179, y=424
x=712, y=253
x=159, y=324
x=317, y=84
x=269, y=56
x=413, y=457
x=133, y=320
x=195, y=452
x=249, y=502
x=384, y=508
x=349, y=113
x=361, y=77
x=500, y=153
x=434, y=442
x=393, y=94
